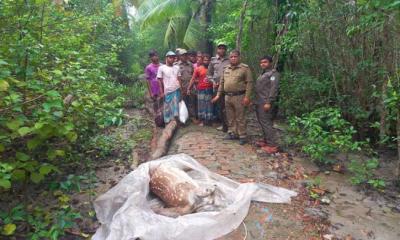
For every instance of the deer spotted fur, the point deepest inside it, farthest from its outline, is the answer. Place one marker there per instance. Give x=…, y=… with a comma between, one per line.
x=179, y=192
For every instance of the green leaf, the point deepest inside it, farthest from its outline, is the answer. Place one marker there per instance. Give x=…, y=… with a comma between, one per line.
x=18, y=175
x=53, y=93
x=15, y=124
x=58, y=114
x=33, y=143
x=39, y=125
x=72, y=136
x=194, y=34
x=57, y=72
x=24, y=130
x=68, y=127
x=75, y=103
x=22, y=156
x=394, y=4
x=2, y=148
x=51, y=154
x=153, y=12
x=46, y=169
x=36, y=177
x=5, y=183
x=47, y=106
x=4, y=85
x=9, y=229
x=60, y=153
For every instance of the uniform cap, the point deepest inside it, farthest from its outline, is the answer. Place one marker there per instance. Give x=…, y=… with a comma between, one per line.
x=178, y=51
x=182, y=51
x=170, y=53
x=221, y=44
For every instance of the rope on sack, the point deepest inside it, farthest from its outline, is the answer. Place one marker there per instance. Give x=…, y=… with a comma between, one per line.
x=245, y=231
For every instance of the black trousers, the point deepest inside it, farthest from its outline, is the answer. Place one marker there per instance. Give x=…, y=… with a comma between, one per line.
x=265, y=119
x=191, y=104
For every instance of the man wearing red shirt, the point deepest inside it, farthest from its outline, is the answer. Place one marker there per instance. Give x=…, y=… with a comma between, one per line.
x=204, y=91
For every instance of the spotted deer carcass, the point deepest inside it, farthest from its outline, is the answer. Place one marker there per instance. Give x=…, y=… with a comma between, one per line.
x=178, y=191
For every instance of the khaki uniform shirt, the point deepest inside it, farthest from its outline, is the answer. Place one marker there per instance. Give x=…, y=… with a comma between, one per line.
x=267, y=85
x=186, y=71
x=216, y=68
x=235, y=79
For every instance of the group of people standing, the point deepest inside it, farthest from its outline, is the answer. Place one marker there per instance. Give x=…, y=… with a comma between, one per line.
x=215, y=89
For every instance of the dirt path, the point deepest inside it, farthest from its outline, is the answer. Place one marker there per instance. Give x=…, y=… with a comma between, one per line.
x=351, y=213
x=244, y=164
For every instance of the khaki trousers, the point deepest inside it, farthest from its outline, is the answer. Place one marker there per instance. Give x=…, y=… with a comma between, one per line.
x=235, y=113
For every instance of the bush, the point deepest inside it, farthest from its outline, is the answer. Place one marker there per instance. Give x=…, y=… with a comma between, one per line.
x=321, y=133
x=52, y=95
x=135, y=92
x=363, y=173
x=302, y=93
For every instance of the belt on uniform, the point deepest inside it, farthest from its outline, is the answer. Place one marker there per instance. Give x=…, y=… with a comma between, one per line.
x=231, y=94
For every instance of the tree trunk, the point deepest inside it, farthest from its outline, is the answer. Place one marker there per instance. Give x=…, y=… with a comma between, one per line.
x=164, y=140
x=383, y=114
x=117, y=7
x=204, y=18
x=41, y=23
x=280, y=33
x=241, y=20
x=398, y=145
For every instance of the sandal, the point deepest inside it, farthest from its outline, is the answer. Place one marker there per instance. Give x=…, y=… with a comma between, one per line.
x=260, y=143
x=270, y=149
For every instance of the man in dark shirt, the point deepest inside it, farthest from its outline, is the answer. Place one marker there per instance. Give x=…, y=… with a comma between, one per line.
x=266, y=89
x=186, y=71
x=215, y=70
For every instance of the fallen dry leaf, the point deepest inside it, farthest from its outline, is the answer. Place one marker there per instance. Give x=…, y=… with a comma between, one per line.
x=318, y=191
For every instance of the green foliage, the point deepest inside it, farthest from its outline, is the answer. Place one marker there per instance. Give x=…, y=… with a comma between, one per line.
x=338, y=54
x=321, y=133
x=259, y=32
x=303, y=93
x=391, y=103
x=55, y=83
x=363, y=173
x=42, y=223
x=72, y=183
x=186, y=24
x=136, y=93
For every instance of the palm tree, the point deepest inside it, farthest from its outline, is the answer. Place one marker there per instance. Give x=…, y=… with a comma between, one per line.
x=188, y=20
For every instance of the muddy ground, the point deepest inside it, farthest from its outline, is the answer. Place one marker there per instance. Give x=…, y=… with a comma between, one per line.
x=351, y=212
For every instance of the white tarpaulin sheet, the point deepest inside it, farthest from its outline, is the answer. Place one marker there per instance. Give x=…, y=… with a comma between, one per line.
x=125, y=213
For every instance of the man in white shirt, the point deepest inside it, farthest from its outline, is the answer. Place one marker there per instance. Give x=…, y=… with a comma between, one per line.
x=170, y=87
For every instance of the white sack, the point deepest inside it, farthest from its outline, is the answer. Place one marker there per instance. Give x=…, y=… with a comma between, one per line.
x=183, y=112
x=124, y=211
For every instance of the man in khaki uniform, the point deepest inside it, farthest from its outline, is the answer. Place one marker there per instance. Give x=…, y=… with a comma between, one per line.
x=186, y=71
x=215, y=70
x=236, y=83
